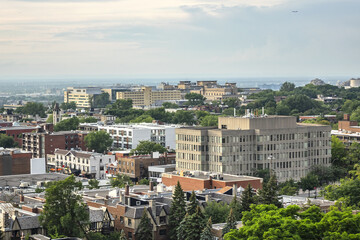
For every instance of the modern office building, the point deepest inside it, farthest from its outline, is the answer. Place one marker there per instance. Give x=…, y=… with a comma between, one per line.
x=128, y=136
x=81, y=95
x=241, y=145
x=147, y=97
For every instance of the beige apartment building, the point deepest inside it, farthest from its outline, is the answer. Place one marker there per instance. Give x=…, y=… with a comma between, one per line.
x=81, y=96
x=147, y=97
x=212, y=91
x=240, y=145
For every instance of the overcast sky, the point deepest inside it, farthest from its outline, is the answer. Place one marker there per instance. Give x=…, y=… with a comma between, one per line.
x=179, y=38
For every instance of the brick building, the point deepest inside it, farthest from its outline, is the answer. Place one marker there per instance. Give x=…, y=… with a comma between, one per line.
x=5, y=124
x=41, y=144
x=17, y=132
x=203, y=180
x=14, y=161
x=137, y=166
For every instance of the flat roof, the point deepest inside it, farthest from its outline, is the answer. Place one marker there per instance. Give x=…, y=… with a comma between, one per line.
x=15, y=180
x=206, y=175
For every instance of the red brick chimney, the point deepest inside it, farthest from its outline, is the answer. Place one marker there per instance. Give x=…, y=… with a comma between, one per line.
x=127, y=190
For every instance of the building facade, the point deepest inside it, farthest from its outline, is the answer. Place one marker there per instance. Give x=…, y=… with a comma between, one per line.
x=147, y=97
x=41, y=144
x=81, y=96
x=241, y=145
x=90, y=164
x=128, y=136
x=14, y=161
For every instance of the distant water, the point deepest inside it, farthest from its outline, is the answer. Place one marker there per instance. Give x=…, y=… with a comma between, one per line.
x=38, y=85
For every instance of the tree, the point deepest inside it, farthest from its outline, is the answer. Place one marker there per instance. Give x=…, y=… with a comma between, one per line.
x=248, y=197
x=288, y=188
x=191, y=226
x=147, y=147
x=144, y=181
x=98, y=141
x=338, y=151
x=287, y=87
x=170, y=105
x=88, y=120
x=67, y=124
x=144, y=230
x=7, y=141
x=93, y=184
x=194, y=99
x=232, y=102
x=50, y=118
x=143, y=119
x=263, y=173
x=122, y=235
x=177, y=211
x=269, y=194
x=120, y=181
x=217, y=211
x=209, y=121
x=32, y=108
x=101, y=100
x=207, y=234
x=236, y=207
x=63, y=211
x=183, y=117
x=193, y=204
x=67, y=106
x=120, y=108
x=230, y=223
x=309, y=182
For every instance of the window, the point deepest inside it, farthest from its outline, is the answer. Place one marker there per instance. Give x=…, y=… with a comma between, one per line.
x=163, y=220
x=162, y=232
x=121, y=219
x=129, y=222
x=130, y=235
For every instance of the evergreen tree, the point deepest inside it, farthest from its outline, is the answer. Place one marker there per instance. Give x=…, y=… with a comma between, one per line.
x=230, y=223
x=177, y=211
x=248, y=197
x=144, y=230
x=191, y=226
x=122, y=235
x=191, y=209
x=236, y=207
x=206, y=234
x=269, y=194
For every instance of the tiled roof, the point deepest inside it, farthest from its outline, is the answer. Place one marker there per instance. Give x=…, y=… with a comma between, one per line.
x=224, y=189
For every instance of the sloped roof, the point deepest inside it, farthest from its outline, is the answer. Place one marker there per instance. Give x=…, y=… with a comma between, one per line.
x=224, y=189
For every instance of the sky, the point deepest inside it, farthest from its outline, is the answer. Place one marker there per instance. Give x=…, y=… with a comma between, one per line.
x=179, y=38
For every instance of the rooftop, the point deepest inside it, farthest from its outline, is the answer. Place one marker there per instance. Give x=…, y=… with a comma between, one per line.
x=215, y=176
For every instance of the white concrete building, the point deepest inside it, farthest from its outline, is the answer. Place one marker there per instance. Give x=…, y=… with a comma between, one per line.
x=89, y=163
x=128, y=136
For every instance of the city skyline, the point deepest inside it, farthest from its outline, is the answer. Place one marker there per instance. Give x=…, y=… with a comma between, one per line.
x=276, y=38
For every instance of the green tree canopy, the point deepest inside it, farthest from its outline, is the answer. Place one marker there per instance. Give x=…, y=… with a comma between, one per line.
x=142, y=119
x=194, y=99
x=209, y=121
x=98, y=141
x=67, y=106
x=217, y=211
x=32, y=108
x=170, y=105
x=269, y=193
x=93, y=184
x=207, y=234
x=191, y=226
x=63, y=211
x=183, y=117
x=177, y=211
x=101, y=100
x=7, y=141
x=88, y=120
x=230, y=223
x=193, y=204
x=248, y=197
x=232, y=102
x=120, y=181
x=67, y=124
x=147, y=147
x=309, y=182
x=338, y=152
x=287, y=87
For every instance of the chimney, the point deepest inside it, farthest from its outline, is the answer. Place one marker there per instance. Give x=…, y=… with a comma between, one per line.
x=122, y=197
x=152, y=205
x=127, y=190
x=346, y=117
x=234, y=189
x=151, y=185
x=22, y=198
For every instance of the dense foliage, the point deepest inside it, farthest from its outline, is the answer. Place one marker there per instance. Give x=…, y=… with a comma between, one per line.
x=147, y=147
x=98, y=141
x=120, y=180
x=7, y=141
x=67, y=124
x=177, y=211
x=32, y=108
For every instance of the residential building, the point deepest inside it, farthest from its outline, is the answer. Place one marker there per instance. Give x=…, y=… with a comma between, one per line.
x=17, y=132
x=14, y=161
x=241, y=145
x=17, y=223
x=90, y=164
x=197, y=180
x=156, y=171
x=147, y=97
x=128, y=136
x=5, y=124
x=41, y=144
x=82, y=96
x=348, y=131
x=137, y=166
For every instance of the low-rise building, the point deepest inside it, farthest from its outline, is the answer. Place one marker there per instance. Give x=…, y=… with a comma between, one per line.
x=17, y=132
x=137, y=166
x=90, y=164
x=128, y=136
x=14, y=161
